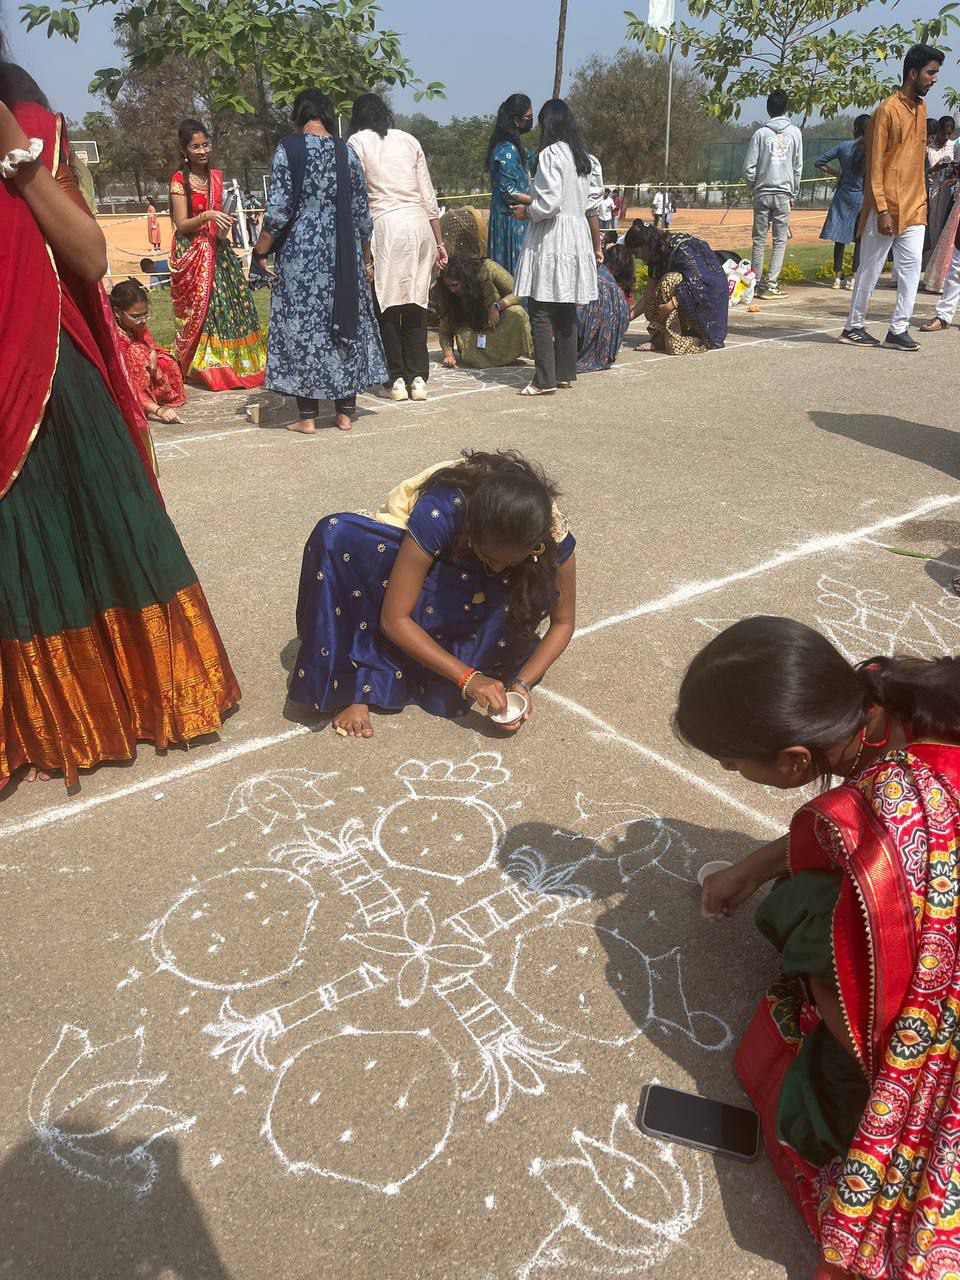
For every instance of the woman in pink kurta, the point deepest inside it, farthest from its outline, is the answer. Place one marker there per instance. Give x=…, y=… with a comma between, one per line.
x=407, y=242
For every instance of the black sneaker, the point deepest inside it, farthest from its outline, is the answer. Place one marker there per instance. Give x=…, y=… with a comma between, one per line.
x=859, y=338
x=901, y=341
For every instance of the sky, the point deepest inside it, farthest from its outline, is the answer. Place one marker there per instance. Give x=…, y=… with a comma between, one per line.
x=443, y=40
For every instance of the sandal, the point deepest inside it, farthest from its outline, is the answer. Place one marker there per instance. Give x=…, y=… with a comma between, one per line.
x=531, y=389
x=936, y=325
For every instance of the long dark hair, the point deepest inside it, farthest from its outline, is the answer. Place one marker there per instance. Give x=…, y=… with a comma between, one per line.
x=185, y=131
x=509, y=503
x=464, y=310
x=126, y=293
x=312, y=104
x=767, y=683
x=558, y=125
x=17, y=85
x=505, y=128
x=371, y=112
x=619, y=262
x=651, y=243
x=859, y=159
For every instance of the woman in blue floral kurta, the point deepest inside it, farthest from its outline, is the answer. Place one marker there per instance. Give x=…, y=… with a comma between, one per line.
x=509, y=163
x=304, y=358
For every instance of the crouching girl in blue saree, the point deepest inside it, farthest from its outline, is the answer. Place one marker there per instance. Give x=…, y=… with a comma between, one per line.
x=437, y=600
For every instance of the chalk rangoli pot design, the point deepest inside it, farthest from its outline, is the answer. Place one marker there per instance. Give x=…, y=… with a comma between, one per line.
x=373, y=1108
x=238, y=930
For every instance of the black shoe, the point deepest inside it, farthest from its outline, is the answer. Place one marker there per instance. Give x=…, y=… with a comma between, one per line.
x=859, y=338
x=901, y=341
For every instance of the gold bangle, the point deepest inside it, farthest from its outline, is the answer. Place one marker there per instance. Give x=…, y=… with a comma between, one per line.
x=466, y=684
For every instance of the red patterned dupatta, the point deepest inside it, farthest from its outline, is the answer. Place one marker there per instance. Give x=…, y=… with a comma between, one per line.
x=891, y=1208
x=191, y=282
x=37, y=297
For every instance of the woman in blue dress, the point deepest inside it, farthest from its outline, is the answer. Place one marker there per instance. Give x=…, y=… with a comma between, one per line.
x=509, y=164
x=602, y=324
x=324, y=341
x=840, y=224
x=437, y=599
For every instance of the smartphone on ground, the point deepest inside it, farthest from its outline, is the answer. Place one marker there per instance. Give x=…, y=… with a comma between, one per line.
x=693, y=1121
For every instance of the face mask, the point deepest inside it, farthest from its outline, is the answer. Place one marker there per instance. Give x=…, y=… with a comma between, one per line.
x=524, y=126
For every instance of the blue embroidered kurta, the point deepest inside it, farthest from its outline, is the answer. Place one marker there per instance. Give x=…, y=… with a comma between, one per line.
x=840, y=225
x=601, y=325
x=509, y=176
x=704, y=294
x=303, y=358
x=344, y=657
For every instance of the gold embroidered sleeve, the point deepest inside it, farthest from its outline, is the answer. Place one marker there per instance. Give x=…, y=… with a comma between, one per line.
x=560, y=526
x=176, y=188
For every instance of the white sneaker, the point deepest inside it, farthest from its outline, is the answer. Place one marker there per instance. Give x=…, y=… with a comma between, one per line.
x=398, y=391
x=837, y=282
x=418, y=389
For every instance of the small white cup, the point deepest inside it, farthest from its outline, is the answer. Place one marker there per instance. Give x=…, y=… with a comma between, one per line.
x=709, y=868
x=516, y=706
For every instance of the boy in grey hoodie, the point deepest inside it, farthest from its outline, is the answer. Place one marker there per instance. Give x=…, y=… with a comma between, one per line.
x=772, y=169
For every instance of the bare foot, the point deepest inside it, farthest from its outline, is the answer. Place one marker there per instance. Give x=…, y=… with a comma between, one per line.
x=646, y=346
x=344, y=422
x=354, y=721
x=34, y=774
x=306, y=426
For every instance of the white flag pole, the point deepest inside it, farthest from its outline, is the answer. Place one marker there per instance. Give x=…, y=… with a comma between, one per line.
x=660, y=16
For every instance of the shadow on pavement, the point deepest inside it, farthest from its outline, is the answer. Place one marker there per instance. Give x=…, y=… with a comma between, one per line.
x=657, y=912
x=945, y=570
x=56, y=1225
x=916, y=441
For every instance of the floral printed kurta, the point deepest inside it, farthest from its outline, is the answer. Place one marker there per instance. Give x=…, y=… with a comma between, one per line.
x=304, y=359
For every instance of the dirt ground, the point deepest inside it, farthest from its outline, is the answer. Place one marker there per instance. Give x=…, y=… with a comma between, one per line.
x=290, y=1005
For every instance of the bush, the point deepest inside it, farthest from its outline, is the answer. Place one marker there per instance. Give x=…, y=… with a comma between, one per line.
x=792, y=273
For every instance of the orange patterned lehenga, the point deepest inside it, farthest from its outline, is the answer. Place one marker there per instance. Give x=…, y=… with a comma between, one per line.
x=105, y=635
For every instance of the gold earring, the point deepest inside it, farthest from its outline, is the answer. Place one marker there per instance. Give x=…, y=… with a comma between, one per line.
x=537, y=552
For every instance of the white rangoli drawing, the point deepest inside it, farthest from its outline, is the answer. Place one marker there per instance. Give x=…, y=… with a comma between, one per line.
x=344, y=856
x=863, y=624
x=638, y=838
x=283, y=795
x=418, y=950
x=344, y=1108
x=443, y=828
x=555, y=965
x=626, y=1202
x=510, y=1059
x=238, y=930
x=87, y=1098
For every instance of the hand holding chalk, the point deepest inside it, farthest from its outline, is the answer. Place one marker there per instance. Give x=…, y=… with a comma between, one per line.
x=488, y=694
x=725, y=890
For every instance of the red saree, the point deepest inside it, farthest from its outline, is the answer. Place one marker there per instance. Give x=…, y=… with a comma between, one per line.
x=891, y=1208
x=30, y=317
x=155, y=374
x=219, y=344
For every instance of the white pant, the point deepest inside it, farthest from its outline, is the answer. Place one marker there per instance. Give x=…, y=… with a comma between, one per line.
x=947, y=306
x=907, y=252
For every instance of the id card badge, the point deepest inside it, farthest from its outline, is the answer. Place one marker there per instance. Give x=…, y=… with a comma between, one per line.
x=481, y=341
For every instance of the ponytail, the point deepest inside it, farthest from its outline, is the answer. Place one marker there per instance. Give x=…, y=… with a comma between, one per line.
x=923, y=693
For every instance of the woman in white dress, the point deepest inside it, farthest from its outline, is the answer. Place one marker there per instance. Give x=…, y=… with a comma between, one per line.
x=557, y=267
x=407, y=242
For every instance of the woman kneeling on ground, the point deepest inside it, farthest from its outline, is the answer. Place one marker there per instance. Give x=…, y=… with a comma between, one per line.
x=478, y=310
x=851, y=1058
x=602, y=324
x=687, y=299
x=154, y=372
x=437, y=600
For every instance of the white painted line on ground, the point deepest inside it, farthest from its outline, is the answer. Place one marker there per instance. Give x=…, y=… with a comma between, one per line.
x=605, y=732
x=203, y=761
x=815, y=546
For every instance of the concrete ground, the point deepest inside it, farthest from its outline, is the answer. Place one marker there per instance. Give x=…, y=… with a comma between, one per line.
x=510, y=925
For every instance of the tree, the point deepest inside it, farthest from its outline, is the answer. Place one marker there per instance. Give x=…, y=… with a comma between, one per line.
x=561, y=40
x=456, y=151
x=258, y=53
x=800, y=46
x=620, y=105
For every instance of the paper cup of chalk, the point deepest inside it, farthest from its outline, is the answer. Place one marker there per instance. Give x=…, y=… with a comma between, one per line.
x=711, y=868
x=516, y=706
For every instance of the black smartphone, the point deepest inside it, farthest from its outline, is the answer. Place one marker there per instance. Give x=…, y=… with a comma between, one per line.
x=699, y=1122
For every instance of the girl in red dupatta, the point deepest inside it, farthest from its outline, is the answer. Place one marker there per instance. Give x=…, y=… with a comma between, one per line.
x=155, y=374
x=219, y=343
x=105, y=635
x=851, y=1058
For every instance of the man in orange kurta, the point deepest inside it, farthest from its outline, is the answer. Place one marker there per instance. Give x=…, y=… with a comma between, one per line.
x=895, y=201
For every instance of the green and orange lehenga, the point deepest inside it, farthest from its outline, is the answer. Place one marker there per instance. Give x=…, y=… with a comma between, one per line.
x=869, y=1148
x=219, y=342
x=105, y=635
